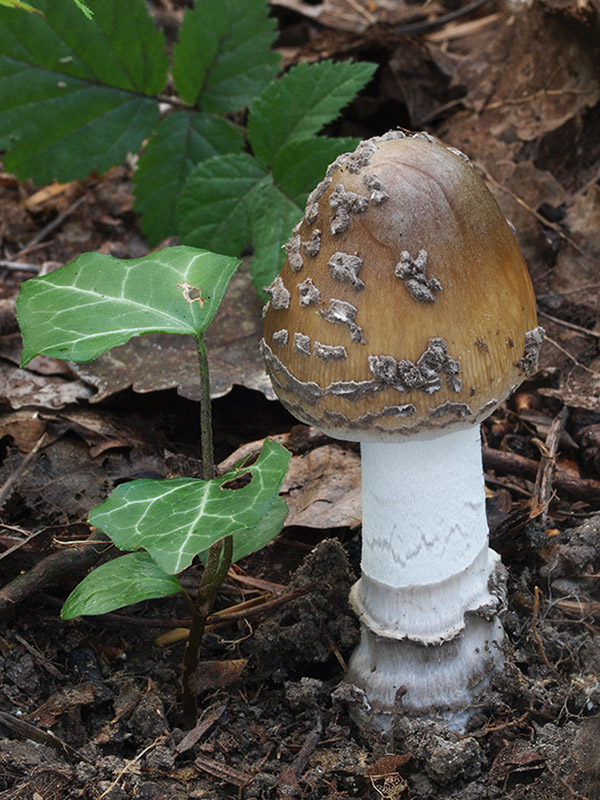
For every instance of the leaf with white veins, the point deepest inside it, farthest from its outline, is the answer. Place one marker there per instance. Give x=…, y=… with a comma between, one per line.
x=124, y=580
x=98, y=302
x=178, y=518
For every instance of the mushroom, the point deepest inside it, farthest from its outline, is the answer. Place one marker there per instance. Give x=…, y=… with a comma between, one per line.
x=403, y=316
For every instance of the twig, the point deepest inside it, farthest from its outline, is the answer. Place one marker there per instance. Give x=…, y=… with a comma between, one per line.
x=56, y=222
x=28, y=731
x=19, y=266
x=130, y=763
x=288, y=778
x=581, y=488
x=413, y=28
x=10, y=482
x=570, y=325
x=547, y=467
x=570, y=356
x=53, y=568
x=536, y=636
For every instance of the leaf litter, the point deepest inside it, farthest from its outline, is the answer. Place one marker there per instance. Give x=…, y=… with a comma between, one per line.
x=279, y=729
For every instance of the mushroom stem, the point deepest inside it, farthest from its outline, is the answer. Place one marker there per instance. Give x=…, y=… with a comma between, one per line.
x=430, y=587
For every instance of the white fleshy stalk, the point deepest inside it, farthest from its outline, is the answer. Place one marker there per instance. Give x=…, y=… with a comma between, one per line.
x=431, y=588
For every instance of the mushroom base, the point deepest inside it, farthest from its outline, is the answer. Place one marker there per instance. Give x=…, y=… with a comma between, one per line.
x=444, y=681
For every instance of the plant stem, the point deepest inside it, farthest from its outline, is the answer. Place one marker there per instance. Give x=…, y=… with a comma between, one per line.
x=218, y=559
x=206, y=438
x=217, y=564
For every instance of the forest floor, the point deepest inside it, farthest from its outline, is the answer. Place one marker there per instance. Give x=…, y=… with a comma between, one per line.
x=91, y=708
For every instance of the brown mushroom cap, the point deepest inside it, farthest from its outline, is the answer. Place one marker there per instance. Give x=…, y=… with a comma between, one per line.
x=404, y=303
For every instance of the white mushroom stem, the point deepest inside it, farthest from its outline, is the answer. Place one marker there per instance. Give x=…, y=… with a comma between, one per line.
x=430, y=586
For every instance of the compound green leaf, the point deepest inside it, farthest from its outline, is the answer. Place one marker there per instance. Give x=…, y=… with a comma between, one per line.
x=98, y=302
x=224, y=56
x=77, y=95
x=124, y=580
x=213, y=207
x=19, y=5
x=300, y=165
x=176, y=519
x=273, y=217
x=181, y=141
x=300, y=103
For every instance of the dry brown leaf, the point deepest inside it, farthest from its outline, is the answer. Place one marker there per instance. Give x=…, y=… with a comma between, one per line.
x=355, y=16
x=21, y=388
x=25, y=427
x=531, y=126
x=323, y=489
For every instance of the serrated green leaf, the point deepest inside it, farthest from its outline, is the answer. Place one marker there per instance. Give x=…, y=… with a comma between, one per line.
x=181, y=141
x=98, y=302
x=273, y=217
x=77, y=95
x=124, y=580
x=224, y=57
x=17, y=4
x=300, y=165
x=176, y=519
x=300, y=103
x=212, y=210
x=84, y=9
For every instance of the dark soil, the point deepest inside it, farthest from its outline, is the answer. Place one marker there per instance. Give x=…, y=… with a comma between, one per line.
x=109, y=694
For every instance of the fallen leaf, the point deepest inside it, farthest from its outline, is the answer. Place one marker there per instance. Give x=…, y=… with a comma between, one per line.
x=323, y=489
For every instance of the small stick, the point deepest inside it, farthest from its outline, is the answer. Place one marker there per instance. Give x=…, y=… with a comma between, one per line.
x=56, y=222
x=53, y=568
x=547, y=467
x=288, y=779
x=7, y=488
x=581, y=488
x=19, y=266
x=570, y=325
x=536, y=636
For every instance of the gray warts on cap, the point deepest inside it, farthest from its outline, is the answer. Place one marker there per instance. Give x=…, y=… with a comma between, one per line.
x=345, y=267
x=309, y=294
x=354, y=390
x=312, y=203
x=313, y=245
x=460, y=409
x=302, y=344
x=374, y=185
x=344, y=313
x=307, y=392
x=425, y=375
x=343, y=204
x=280, y=297
x=292, y=248
x=360, y=157
x=406, y=410
x=280, y=338
x=436, y=361
x=412, y=272
x=460, y=154
x=533, y=342
x=424, y=135
x=328, y=352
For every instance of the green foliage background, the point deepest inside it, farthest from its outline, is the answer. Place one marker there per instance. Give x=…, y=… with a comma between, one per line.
x=78, y=95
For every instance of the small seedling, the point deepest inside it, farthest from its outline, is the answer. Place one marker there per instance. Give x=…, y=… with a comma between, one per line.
x=96, y=303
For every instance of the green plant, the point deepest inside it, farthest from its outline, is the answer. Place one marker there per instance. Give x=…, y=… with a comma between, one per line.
x=96, y=303
x=26, y=7
x=78, y=95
